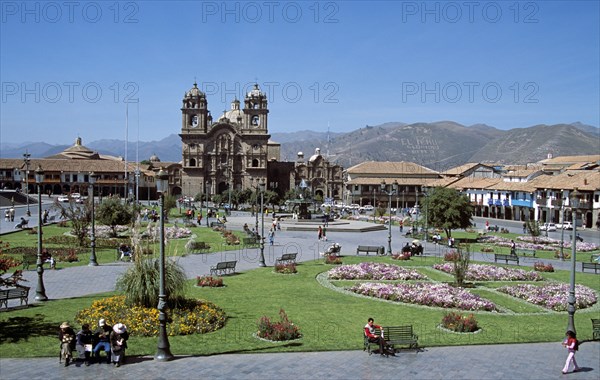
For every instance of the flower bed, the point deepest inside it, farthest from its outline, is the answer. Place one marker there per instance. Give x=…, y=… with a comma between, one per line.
x=277, y=331
x=478, y=272
x=459, y=323
x=197, y=316
x=552, y=296
x=542, y=267
x=424, y=293
x=333, y=259
x=286, y=268
x=209, y=281
x=373, y=271
x=537, y=243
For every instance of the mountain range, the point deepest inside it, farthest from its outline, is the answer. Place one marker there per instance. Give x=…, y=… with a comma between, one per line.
x=438, y=145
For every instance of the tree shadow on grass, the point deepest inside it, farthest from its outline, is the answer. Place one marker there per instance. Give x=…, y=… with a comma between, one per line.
x=18, y=329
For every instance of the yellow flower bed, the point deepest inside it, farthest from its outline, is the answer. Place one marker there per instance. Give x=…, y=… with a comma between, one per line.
x=198, y=316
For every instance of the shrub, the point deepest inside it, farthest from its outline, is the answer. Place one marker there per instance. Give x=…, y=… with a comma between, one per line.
x=141, y=283
x=193, y=316
x=277, y=331
x=333, y=259
x=209, y=281
x=461, y=266
x=286, y=268
x=69, y=256
x=541, y=267
x=460, y=323
x=196, y=246
x=451, y=256
x=566, y=254
x=487, y=249
x=401, y=256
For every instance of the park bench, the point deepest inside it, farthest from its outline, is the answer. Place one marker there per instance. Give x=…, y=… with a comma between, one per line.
x=217, y=224
x=286, y=258
x=594, y=266
x=196, y=247
x=223, y=267
x=18, y=293
x=394, y=336
x=525, y=252
x=595, y=329
x=506, y=258
x=379, y=250
x=250, y=241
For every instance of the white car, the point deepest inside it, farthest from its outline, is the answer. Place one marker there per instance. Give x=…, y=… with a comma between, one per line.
x=564, y=226
x=63, y=198
x=548, y=227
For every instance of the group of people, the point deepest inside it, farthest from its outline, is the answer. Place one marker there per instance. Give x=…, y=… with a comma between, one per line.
x=110, y=339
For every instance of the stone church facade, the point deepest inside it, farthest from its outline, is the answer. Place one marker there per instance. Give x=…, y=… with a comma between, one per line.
x=232, y=151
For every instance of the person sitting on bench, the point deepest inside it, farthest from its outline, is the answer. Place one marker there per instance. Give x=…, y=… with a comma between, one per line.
x=406, y=249
x=370, y=334
x=125, y=251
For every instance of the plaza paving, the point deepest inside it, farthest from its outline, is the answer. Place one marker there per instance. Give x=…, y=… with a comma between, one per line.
x=517, y=361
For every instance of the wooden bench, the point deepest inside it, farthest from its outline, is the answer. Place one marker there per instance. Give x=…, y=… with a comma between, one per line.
x=217, y=224
x=525, y=252
x=286, y=258
x=18, y=293
x=594, y=266
x=223, y=267
x=394, y=336
x=506, y=258
x=378, y=250
x=595, y=329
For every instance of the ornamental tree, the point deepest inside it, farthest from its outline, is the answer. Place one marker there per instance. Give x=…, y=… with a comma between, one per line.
x=448, y=209
x=112, y=212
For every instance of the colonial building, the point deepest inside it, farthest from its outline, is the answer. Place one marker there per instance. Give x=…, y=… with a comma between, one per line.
x=231, y=152
x=323, y=178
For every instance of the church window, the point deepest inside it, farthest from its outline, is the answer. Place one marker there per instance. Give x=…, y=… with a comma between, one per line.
x=255, y=163
x=192, y=162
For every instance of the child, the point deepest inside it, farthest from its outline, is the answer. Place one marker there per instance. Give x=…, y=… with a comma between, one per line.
x=572, y=345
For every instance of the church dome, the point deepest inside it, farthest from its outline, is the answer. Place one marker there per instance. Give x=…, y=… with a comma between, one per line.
x=255, y=92
x=194, y=92
x=235, y=114
x=154, y=158
x=316, y=155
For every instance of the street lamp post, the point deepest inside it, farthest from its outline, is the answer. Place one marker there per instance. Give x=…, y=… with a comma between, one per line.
x=562, y=230
x=393, y=191
x=93, y=262
x=574, y=201
x=261, y=186
x=163, y=352
x=27, y=161
x=40, y=292
x=207, y=198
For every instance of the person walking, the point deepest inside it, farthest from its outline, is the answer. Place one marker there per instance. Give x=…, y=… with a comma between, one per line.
x=572, y=345
x=271, y=236
x=320, y=232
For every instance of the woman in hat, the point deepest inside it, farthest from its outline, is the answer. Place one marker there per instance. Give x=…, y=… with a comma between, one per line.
x=118, y=343
x=66, y=335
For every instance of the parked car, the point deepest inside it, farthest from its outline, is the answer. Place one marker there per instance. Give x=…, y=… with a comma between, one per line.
x=548, y=227
x=564, y=226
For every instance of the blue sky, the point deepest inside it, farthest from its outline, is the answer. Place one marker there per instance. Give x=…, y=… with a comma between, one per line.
x=70, y=70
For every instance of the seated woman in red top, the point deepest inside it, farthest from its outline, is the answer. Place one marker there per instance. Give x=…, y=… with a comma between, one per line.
x=370, y=334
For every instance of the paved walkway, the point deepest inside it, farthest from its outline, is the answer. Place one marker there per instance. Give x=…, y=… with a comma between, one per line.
x=518, y=361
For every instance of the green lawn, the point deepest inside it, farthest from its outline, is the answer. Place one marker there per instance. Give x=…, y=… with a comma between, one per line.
x=328, y=319
x=108, y=255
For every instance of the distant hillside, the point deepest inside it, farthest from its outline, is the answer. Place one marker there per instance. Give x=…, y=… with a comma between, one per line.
x=439, y=145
